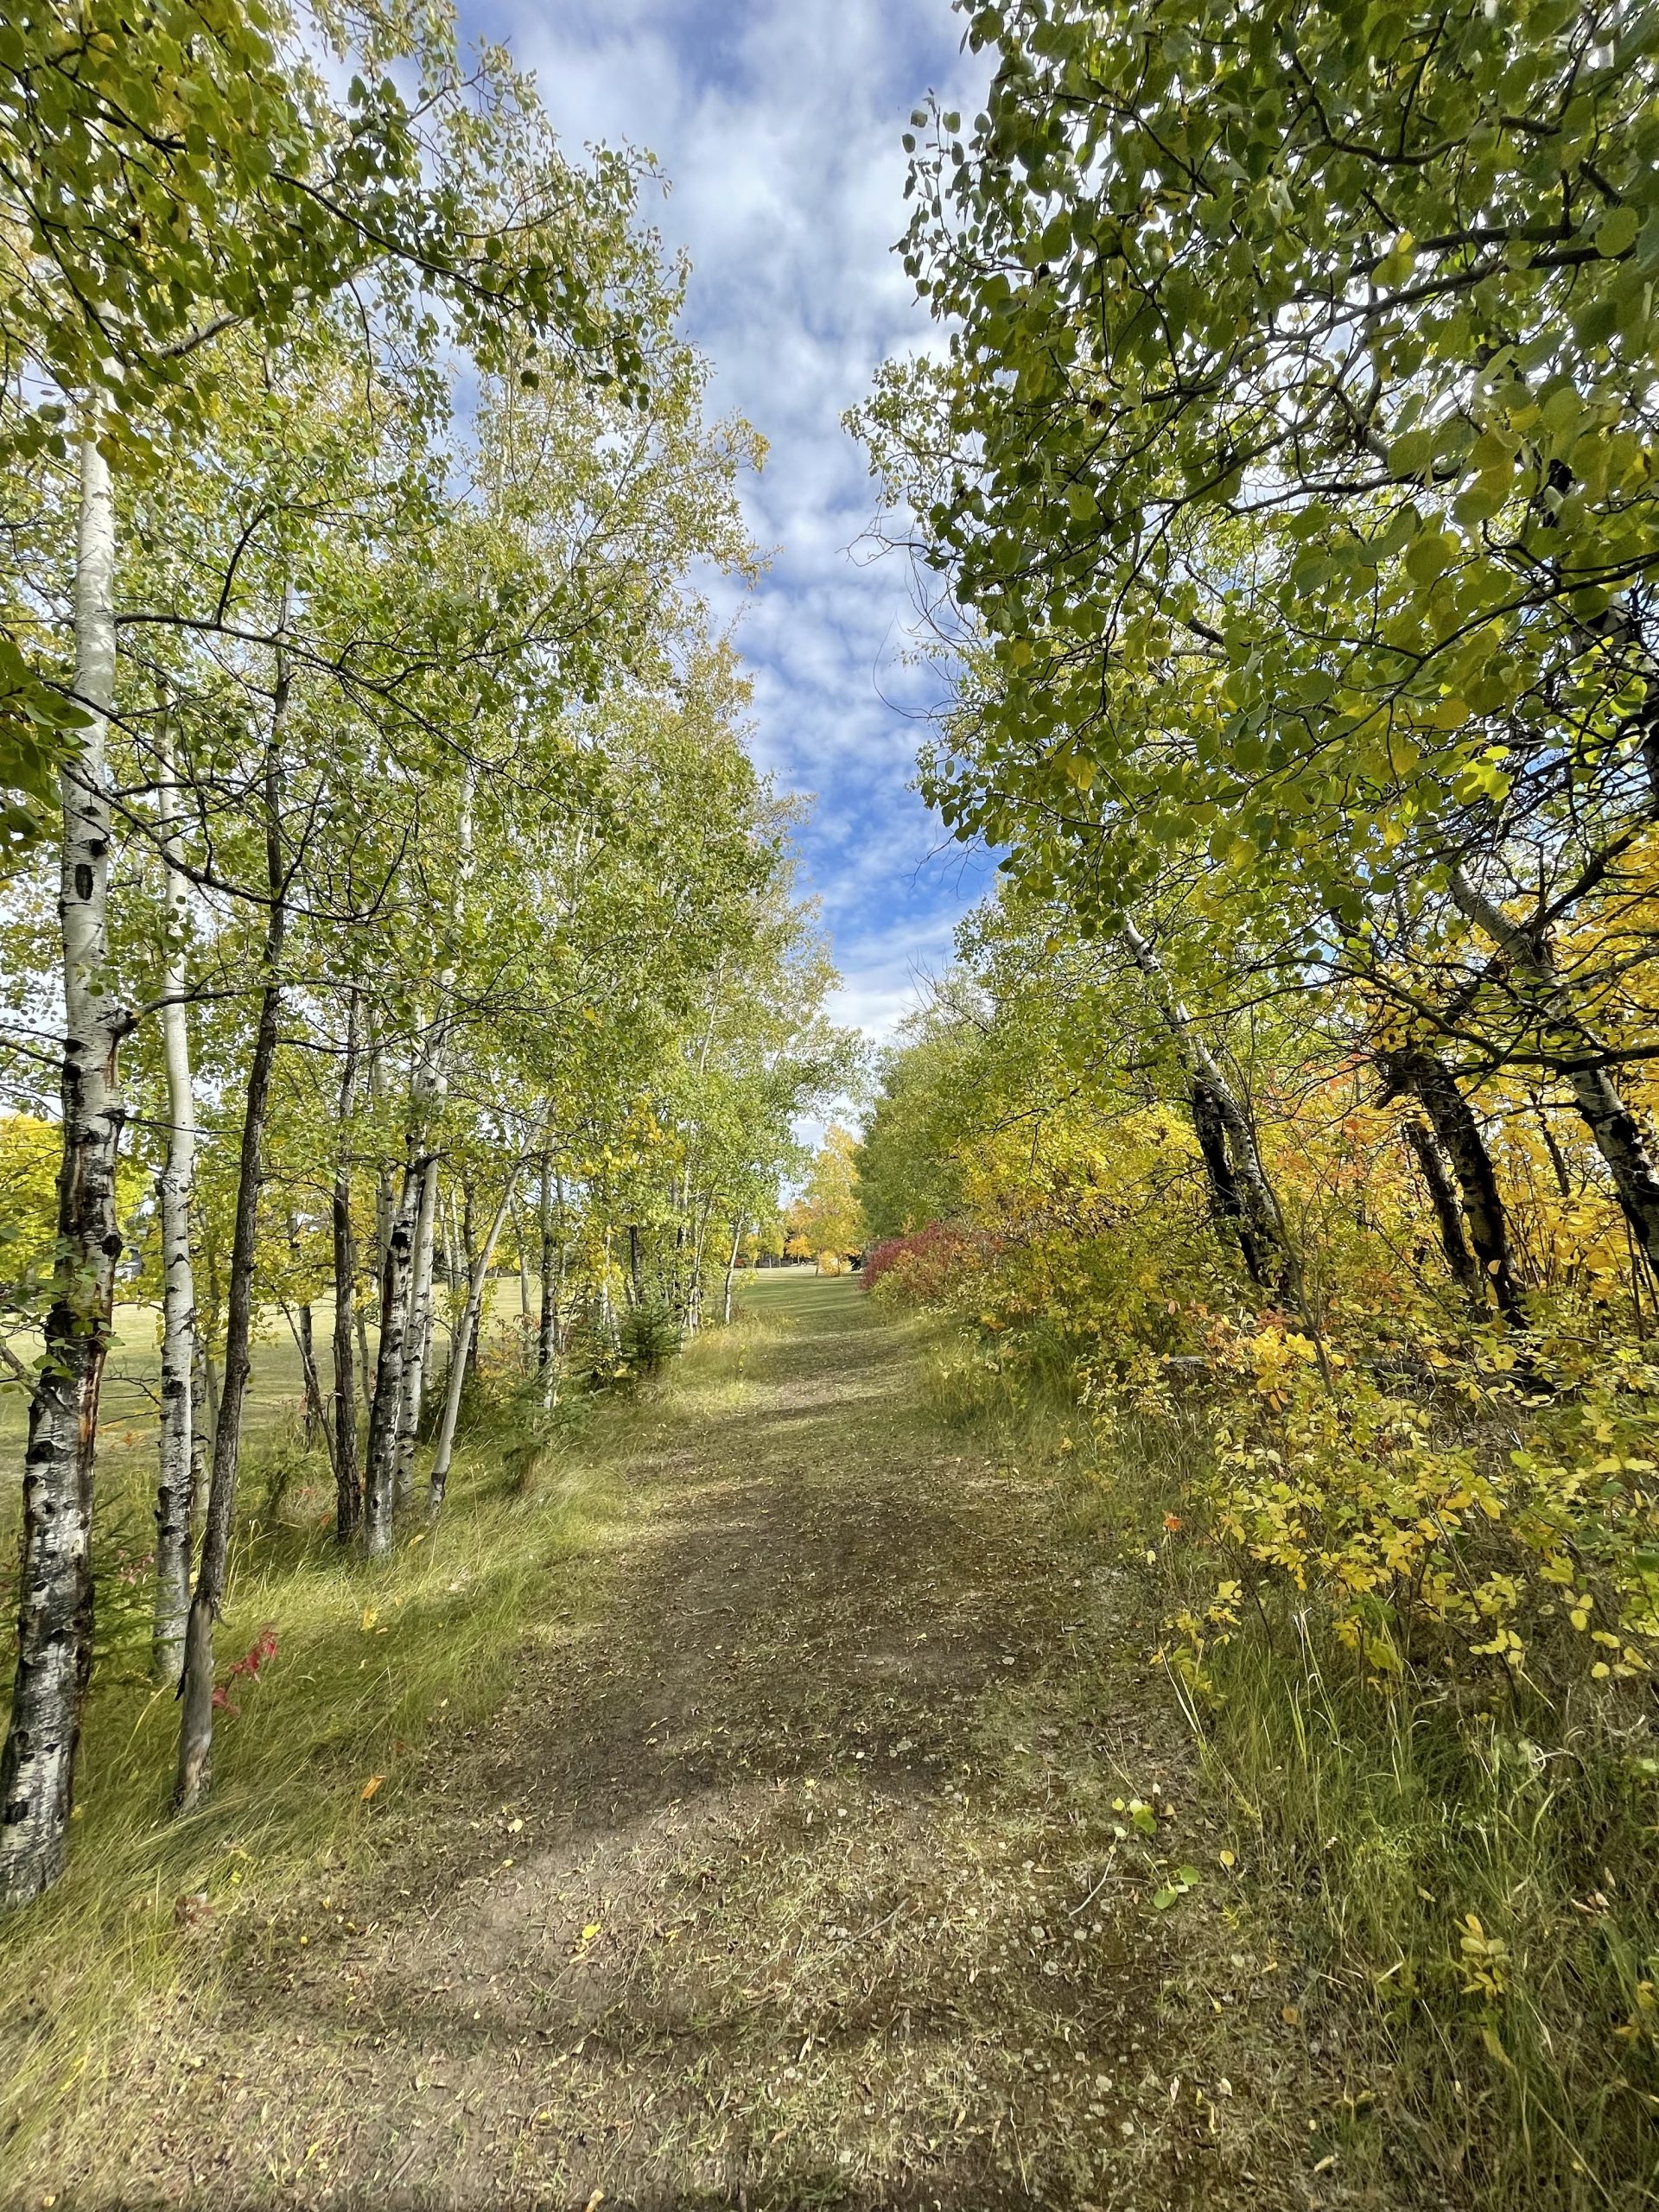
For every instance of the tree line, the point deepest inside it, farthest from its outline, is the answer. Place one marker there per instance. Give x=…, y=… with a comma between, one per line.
x=1283, y=510
x=387, y=889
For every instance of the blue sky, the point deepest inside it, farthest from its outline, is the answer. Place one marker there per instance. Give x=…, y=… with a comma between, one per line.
x=778, y=124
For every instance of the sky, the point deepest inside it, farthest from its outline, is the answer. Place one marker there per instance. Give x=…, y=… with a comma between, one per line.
x=778, y=124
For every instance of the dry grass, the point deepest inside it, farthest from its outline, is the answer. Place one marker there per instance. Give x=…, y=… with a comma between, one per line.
x=803, y=1829
x=1381, y=1846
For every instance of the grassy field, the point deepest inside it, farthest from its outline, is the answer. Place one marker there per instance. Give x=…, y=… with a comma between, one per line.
x=764, y=1807
x=127, y=1415
x=758, y=1794
x=370, y=1662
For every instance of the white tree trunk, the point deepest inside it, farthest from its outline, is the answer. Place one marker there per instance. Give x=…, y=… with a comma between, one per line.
x=418, y=1338
x=379, y=1465
x=196, y=1683
x=55, y=1613
x=431, y=1085
x=439, y=1481
x=348, y=1489
x=175, y=1485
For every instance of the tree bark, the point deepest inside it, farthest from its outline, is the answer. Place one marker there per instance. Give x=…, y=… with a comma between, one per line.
x=524, y=1278
x=417, y=1335
x=430, y=1086
x=348, y=1489
x=438, y=1482
x=176, y=1487
x=55, y=1609
x=388, y=1371
x=1226, y=1207
x=302, y=1327
x=365, y=1365
x=201, y=1434
x=196, y=1689
x=470, y=1247
x=731, y=1269
x=1618, y=1135
x=1459, y=1260
x=1224, y=1127
x=1429, y=1080
x=547, y=1320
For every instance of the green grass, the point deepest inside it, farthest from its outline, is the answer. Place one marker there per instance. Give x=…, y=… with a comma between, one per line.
x=375, y=1663
x=1470, y=1896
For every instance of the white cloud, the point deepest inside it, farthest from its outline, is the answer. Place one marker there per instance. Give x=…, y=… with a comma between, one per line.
x=778, y=124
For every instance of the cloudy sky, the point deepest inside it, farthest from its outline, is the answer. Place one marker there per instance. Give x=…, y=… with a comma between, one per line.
x=777, y=122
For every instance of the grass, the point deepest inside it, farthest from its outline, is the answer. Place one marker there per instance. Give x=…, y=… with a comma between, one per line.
x=374, y=1664
x=787, y=1863
x=1472, y=1895
x=763, y=1759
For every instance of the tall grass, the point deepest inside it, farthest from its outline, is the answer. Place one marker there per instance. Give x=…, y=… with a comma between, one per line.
x=1470, y=1886
x=372, y=1662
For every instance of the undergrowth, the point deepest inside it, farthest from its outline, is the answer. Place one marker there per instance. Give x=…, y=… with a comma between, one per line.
x=1466, y=1876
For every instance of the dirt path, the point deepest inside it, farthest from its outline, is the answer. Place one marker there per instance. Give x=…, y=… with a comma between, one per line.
x=792, y=1880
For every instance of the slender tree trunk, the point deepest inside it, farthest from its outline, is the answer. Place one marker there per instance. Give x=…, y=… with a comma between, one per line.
x=365, y=1364
x=431, y=1086
x=610, y=1334
x=699, y=1249
x=731, y=1269
x=1557, y=1158
x=1619, y=1136
x=55, y=1609
x=452, y=1274
x=196, y=1689
x=466, y=1328
x=1429, y=1079
x=348, y=1489
x=547, y=1319
x=317, y=1414
x=301, y=1323
x=388, y=1373
x=1261, y=1234
x=470, y=1247
x=201, y=1436
x=1227, y=1210
x=1460, y=1262
x=524, y=1276
x=302, y=1328
x=386, y=1179
x=636, y=1277
x=417, y=1336
x=210, y=1403
x=176, y=1482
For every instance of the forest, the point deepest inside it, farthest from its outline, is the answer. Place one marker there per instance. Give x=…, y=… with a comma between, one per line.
x=1286, y=509
x=440, y=1199
x=409, y=883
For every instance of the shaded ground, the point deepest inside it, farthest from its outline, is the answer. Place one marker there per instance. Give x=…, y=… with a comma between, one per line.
x=790, y=1876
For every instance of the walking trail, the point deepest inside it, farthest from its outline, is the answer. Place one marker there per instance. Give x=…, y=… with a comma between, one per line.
x=788, y=1876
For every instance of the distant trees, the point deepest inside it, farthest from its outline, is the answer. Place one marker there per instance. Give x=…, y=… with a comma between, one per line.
x=826, y=1222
